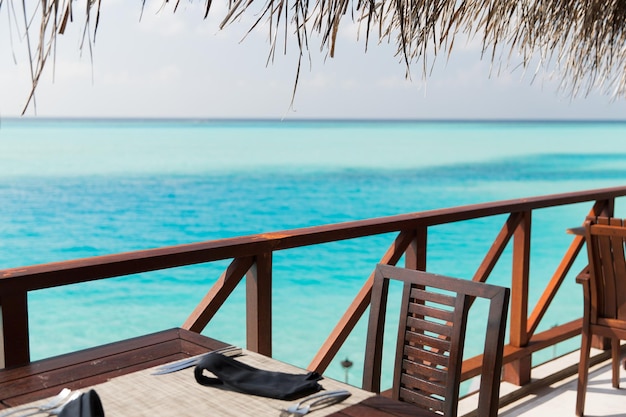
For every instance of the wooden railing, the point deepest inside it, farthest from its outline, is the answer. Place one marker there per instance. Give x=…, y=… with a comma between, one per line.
x=252, y=257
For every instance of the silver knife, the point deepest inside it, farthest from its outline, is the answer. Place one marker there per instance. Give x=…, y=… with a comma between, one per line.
x=231, y=351
x=314, y=402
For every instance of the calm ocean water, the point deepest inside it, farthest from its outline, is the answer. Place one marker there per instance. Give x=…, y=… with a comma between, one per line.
x=74, y=189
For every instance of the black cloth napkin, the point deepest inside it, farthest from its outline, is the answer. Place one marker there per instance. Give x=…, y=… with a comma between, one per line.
x=87, y=405
x=249, y=380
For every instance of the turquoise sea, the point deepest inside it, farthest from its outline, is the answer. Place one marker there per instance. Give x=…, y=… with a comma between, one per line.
x=79, y=188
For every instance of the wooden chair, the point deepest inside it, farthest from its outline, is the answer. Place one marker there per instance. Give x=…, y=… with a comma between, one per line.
x=431, y=335
x=604, y=295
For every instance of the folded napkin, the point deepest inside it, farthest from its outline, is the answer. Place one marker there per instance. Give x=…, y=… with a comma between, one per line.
x=247, y=379
x=86, y=405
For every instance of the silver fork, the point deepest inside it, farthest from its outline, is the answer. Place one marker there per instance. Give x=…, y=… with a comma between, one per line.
x=318, y=400
x=57, y=400
x=56, y=410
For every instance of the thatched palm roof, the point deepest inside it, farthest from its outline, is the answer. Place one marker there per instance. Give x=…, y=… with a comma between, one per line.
x=585, y=40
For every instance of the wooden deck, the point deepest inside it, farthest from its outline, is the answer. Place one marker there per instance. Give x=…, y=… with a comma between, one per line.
x=549, y=396
x=558, y=399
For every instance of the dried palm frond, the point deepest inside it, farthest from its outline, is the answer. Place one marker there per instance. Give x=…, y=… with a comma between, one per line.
x=585, y=40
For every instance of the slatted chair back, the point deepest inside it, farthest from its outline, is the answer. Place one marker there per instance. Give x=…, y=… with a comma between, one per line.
x=431, y=336
x=605, y=241
x=604, y=294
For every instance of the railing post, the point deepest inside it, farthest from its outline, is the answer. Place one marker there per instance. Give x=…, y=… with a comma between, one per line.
x=14, y=343
x=259, y=305
x=518, y=372
x=604, y=207
x=415, y=255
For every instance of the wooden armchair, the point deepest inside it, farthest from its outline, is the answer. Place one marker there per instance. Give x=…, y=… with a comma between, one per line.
x=604, y=295
x=431, y=335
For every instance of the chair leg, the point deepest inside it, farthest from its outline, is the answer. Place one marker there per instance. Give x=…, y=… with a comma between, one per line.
x=583, y=373
x=615, y=353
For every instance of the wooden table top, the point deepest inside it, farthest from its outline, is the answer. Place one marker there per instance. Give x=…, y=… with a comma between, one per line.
x=121, y=372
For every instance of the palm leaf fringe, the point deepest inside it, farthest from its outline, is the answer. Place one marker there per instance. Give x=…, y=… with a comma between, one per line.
x=585, y=40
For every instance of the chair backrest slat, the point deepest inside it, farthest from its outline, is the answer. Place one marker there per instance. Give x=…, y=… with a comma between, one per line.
x=429, y=326
x=605, y=246
x=422, y=354
x=431, y=339
x=432, y=388
x=440, y=343
x=619, y=270
x=430, y=311
x=427, y=369
x=422, y=399
x=438, y=298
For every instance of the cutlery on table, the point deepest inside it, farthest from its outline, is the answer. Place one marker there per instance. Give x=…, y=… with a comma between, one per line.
x=315, y=401
x=188, y=363
x=60, y=399
x=56, y=410
x=52, y=408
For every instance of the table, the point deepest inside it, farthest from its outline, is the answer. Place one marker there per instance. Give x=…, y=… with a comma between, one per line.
x=121, y=375
x=578, y=231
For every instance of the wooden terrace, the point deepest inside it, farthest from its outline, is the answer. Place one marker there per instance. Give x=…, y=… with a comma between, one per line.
x=251, y=259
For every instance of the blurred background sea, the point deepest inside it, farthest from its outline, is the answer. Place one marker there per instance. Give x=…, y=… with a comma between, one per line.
x=79, y=188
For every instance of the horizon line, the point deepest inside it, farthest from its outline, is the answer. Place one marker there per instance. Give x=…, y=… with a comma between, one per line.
x=308, y=120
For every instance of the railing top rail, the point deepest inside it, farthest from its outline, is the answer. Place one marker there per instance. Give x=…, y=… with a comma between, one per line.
x=81, y=270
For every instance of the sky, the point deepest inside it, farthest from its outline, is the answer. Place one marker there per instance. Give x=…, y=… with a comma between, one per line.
x=179, y=65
